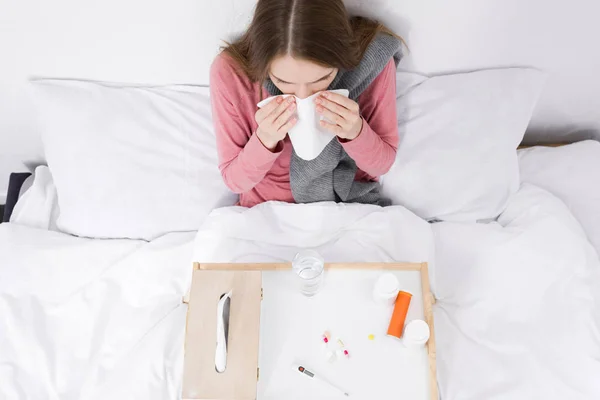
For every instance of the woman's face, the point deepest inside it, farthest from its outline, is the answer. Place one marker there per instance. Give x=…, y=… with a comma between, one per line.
x=299, y=77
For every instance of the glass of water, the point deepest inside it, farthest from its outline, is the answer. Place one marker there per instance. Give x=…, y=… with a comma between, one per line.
x=308, y=266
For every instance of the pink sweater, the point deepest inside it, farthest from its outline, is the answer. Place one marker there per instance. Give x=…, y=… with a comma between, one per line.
x=260, y=175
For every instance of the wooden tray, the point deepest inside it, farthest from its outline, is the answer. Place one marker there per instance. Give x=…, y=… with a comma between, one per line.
x=239, y=381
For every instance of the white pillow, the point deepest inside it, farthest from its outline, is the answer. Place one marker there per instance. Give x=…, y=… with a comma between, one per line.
x=571, y=173
x=457, y=158
x=129, y=162
x=38, y=206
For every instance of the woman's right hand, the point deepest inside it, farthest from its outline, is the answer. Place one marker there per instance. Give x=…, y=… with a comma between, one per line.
x=274, y=121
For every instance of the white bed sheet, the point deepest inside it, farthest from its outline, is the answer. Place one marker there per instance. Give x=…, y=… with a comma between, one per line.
x=517, y=315
x=275, y=232
x=91, y=319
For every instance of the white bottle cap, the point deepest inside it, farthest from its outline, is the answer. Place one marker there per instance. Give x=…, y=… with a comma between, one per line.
x=416, y=333
x=386, y=288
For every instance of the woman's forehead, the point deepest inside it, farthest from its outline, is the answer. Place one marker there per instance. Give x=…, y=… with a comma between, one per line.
x=295, y=70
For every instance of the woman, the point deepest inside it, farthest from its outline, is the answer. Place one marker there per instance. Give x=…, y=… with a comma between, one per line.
x=304, y=47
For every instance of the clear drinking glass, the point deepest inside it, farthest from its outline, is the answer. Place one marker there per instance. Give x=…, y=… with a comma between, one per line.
x=308, y=266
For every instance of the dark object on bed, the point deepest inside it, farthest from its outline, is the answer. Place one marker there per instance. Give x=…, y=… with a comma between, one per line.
x=15, y=183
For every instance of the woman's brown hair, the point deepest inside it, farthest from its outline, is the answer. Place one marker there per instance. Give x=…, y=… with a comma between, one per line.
x=320, y=31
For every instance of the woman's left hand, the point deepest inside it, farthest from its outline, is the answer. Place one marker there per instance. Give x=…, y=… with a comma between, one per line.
x=343, y=112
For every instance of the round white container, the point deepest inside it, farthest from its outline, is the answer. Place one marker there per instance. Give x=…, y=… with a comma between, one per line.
x=386, y=289
x=416, y=333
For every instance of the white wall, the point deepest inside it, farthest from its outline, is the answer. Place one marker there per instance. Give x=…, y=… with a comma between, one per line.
x=158, y=41
x=558, y=36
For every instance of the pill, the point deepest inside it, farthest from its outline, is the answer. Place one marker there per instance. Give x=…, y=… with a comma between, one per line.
x=371, y=337
x=330, y=356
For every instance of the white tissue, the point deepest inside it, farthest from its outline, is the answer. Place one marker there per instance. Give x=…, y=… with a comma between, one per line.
x=307, y=136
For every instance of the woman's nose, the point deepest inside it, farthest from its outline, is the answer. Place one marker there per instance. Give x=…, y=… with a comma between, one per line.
x=303, y=92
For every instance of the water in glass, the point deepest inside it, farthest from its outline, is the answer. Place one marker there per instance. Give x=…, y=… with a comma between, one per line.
x=308, y=266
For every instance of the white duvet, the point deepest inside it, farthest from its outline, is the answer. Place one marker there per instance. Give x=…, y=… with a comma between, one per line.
x=91, y=319
x=518, y=315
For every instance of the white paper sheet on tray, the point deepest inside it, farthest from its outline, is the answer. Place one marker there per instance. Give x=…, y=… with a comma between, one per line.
x=292, y=326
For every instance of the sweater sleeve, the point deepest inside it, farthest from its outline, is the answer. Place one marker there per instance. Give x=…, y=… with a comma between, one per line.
x=374, y=149
x=243, y=159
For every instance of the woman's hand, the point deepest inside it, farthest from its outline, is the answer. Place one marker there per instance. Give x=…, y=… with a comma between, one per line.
x=274, y=121
x=343, y=112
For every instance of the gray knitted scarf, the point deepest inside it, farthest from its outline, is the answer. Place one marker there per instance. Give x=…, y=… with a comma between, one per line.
x=330, y=176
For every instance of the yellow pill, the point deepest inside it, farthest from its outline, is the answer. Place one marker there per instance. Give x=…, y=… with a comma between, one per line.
x=371, y=337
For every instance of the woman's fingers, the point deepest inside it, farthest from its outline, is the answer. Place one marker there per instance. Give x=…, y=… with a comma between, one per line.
x=333, y=128
x=334, y=107
x=341, y=100
x=282, y=119
x=332, y=116
x=279, y=110
x=264, y=112
x=288, y=125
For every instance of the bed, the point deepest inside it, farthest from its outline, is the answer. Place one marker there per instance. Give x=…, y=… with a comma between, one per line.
x=517, y=309
x=98, y=253
x=516, y=312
